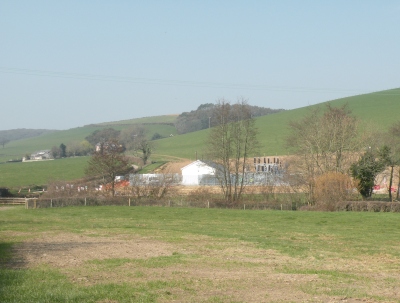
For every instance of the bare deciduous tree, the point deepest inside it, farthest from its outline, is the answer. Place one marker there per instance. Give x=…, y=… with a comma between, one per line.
x=102, y=135
x=78, y=148
x=326, y=142
x=134, y=139
x=107, y=164
x=232, y=139
x=144, y=148
x=4, y=141
x=130, y=135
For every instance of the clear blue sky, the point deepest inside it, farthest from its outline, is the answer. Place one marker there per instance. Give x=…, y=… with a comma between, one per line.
x=66, y=64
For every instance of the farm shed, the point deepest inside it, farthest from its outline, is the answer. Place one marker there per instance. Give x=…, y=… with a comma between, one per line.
x=191, y=173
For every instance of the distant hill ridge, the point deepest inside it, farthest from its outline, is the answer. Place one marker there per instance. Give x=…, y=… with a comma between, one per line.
x=23, y=133
x=199, y=119
x=378, y=109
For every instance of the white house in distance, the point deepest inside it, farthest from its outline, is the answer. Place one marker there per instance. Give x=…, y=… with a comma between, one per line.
x=41, y=155
x=192, y=172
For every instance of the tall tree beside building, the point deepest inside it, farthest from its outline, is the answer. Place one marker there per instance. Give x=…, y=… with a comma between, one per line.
x=392, y=156
x=365, y=171
x=231, y=140
x=108, y=163
x=63, y=150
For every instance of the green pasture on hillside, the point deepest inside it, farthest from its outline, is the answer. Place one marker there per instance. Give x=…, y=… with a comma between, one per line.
x=156, y=254
x=42, y=172
x=18, y=149
x=377, y=111
x=144, y=120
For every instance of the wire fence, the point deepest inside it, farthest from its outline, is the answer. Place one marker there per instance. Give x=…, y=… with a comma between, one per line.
x=360, y=206
x=177, y=202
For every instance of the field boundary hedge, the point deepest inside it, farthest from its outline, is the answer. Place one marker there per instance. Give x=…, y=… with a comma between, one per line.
x=358, y=206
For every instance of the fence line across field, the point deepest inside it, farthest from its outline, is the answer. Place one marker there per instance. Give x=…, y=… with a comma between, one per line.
x=368, y=206
x=16, y=201
x=273, y=178
x=131, y=201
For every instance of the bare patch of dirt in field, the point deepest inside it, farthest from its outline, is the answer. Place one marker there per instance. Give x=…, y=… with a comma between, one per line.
x=70, y=250
x=173, y=167
x=205, y=269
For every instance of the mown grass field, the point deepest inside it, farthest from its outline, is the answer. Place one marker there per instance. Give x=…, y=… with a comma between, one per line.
x=41, y=173
x=155, y=254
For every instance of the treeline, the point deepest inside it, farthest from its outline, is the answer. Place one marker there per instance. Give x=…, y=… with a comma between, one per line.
x=132, y=139
x=201, y=118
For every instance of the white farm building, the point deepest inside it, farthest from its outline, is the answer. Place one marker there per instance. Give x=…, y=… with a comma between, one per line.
x=191, y=173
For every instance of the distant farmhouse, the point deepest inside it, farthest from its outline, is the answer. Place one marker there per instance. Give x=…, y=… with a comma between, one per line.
x=39, y=156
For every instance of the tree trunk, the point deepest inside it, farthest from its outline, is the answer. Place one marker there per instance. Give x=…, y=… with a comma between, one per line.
x=391, y=182
x=398, y=186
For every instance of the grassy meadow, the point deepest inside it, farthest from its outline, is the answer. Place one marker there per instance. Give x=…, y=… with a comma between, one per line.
x=156, y=254
x=42, y=172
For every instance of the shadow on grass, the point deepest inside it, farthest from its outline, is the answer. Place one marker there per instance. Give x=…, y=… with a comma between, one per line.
x=20, y=283
x=10, y=265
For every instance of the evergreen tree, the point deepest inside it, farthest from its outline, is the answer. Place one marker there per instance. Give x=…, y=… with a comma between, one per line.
x=365, y=171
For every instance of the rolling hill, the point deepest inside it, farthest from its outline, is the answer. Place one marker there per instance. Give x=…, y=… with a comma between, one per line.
x=377, y=110
x=19, y=148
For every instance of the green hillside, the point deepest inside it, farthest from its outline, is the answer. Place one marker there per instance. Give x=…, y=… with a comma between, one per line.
x=145, y=120
x=379, y=110
x=41, y=173
x=19, y=148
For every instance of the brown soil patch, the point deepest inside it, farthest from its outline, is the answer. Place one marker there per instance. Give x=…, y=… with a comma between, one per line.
x=173, y=167
x=71, y=250
x=220, y=270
